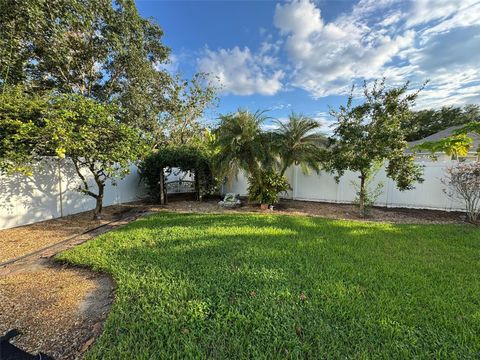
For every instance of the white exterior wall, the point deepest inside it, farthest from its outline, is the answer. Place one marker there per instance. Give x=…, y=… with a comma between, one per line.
x=51, y=193
x=323, y=187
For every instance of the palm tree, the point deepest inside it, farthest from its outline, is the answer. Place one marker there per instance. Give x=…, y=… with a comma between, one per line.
x=298, y=142
x=241, y=143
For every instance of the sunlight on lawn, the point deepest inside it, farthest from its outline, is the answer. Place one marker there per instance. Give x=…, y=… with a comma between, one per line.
x=266, y=286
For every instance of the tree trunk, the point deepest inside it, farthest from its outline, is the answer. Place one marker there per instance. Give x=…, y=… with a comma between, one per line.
x=361, y=200
x=162, y=188
x=197, y=186
x=99, y=201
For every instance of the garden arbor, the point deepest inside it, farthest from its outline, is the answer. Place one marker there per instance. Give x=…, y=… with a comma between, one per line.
x=189, y=159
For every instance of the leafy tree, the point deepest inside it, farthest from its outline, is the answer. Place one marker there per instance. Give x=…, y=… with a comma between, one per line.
x=371, y=133
x=298, y=141
x=22, y=129
x=100, y=49
x=89, y=133
x=106, y=51
x=241, y=143
x=187, y=102
x=423, y=123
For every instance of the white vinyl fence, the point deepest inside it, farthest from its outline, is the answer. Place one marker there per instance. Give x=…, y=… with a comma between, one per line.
x=323, y=187
x=51, y=193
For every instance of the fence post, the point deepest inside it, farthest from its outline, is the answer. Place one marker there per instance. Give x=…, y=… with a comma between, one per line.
x=295, y=181
x=60, y=190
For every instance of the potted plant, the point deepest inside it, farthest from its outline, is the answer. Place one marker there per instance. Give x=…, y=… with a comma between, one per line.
x=266, y=187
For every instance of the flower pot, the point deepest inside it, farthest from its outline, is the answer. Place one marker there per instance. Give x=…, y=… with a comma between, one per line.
x=263, y=206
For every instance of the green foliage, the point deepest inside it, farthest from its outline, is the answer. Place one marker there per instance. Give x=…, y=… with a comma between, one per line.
x=22, y=129
x=194, y=159
x=423, y=123
x=241, y=144
x=371, y=133
x=255, y=286
x=100, y=49
x=266, y=188
x=104, y=50
x=457, y=145
x=187, y=102
x=89, y=133
x=298, y=141
x=82, y=129
x=106, y=54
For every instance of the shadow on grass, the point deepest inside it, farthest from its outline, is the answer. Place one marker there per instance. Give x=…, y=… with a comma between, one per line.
x=263, y=286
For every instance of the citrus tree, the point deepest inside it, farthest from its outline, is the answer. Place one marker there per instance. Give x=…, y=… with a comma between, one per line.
x=91, y=136
x=81, y=129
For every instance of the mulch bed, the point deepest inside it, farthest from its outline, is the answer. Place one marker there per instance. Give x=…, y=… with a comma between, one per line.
x=326, y=210
x=21, y=240
x=59, y=311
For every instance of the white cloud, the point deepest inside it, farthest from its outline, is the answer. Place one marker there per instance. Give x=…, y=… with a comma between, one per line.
x=417, y=40
x=280, y=106
x=241, y=72
x=424, y=39
x=329, y=56
x=425, y=11
x=171, y=66
x=466, y=14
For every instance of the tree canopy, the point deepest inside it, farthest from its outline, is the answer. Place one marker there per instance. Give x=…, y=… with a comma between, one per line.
x=194, y=159
x=85, y=79
x=103, y=50
x=423, y=123
x=371, y=133
x=82, y=129
x=23, y=135
x=97, y=48
x=298, y=141
x=242, y=144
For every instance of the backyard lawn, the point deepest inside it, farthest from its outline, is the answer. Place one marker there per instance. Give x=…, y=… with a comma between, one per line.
x=274, y=286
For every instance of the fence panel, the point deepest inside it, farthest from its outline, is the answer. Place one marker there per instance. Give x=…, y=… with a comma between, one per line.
x=51, y=193
x=323, y=187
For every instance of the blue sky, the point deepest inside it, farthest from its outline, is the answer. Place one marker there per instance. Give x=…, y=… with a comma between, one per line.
x=305, y=55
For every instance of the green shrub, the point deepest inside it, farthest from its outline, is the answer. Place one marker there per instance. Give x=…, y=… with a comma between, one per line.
x=266, y=187
x=195, y=160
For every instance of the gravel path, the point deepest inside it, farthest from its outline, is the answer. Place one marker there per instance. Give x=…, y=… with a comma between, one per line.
x=59, y=310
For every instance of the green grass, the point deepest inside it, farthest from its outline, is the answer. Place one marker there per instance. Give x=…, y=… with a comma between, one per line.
x=264, y=286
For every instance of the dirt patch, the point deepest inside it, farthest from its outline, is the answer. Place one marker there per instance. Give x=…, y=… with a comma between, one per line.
x=321, y=209
x=58, y=310
x=21, y=240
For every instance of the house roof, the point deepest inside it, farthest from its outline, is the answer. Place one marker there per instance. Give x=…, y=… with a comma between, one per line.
x=446, y=133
